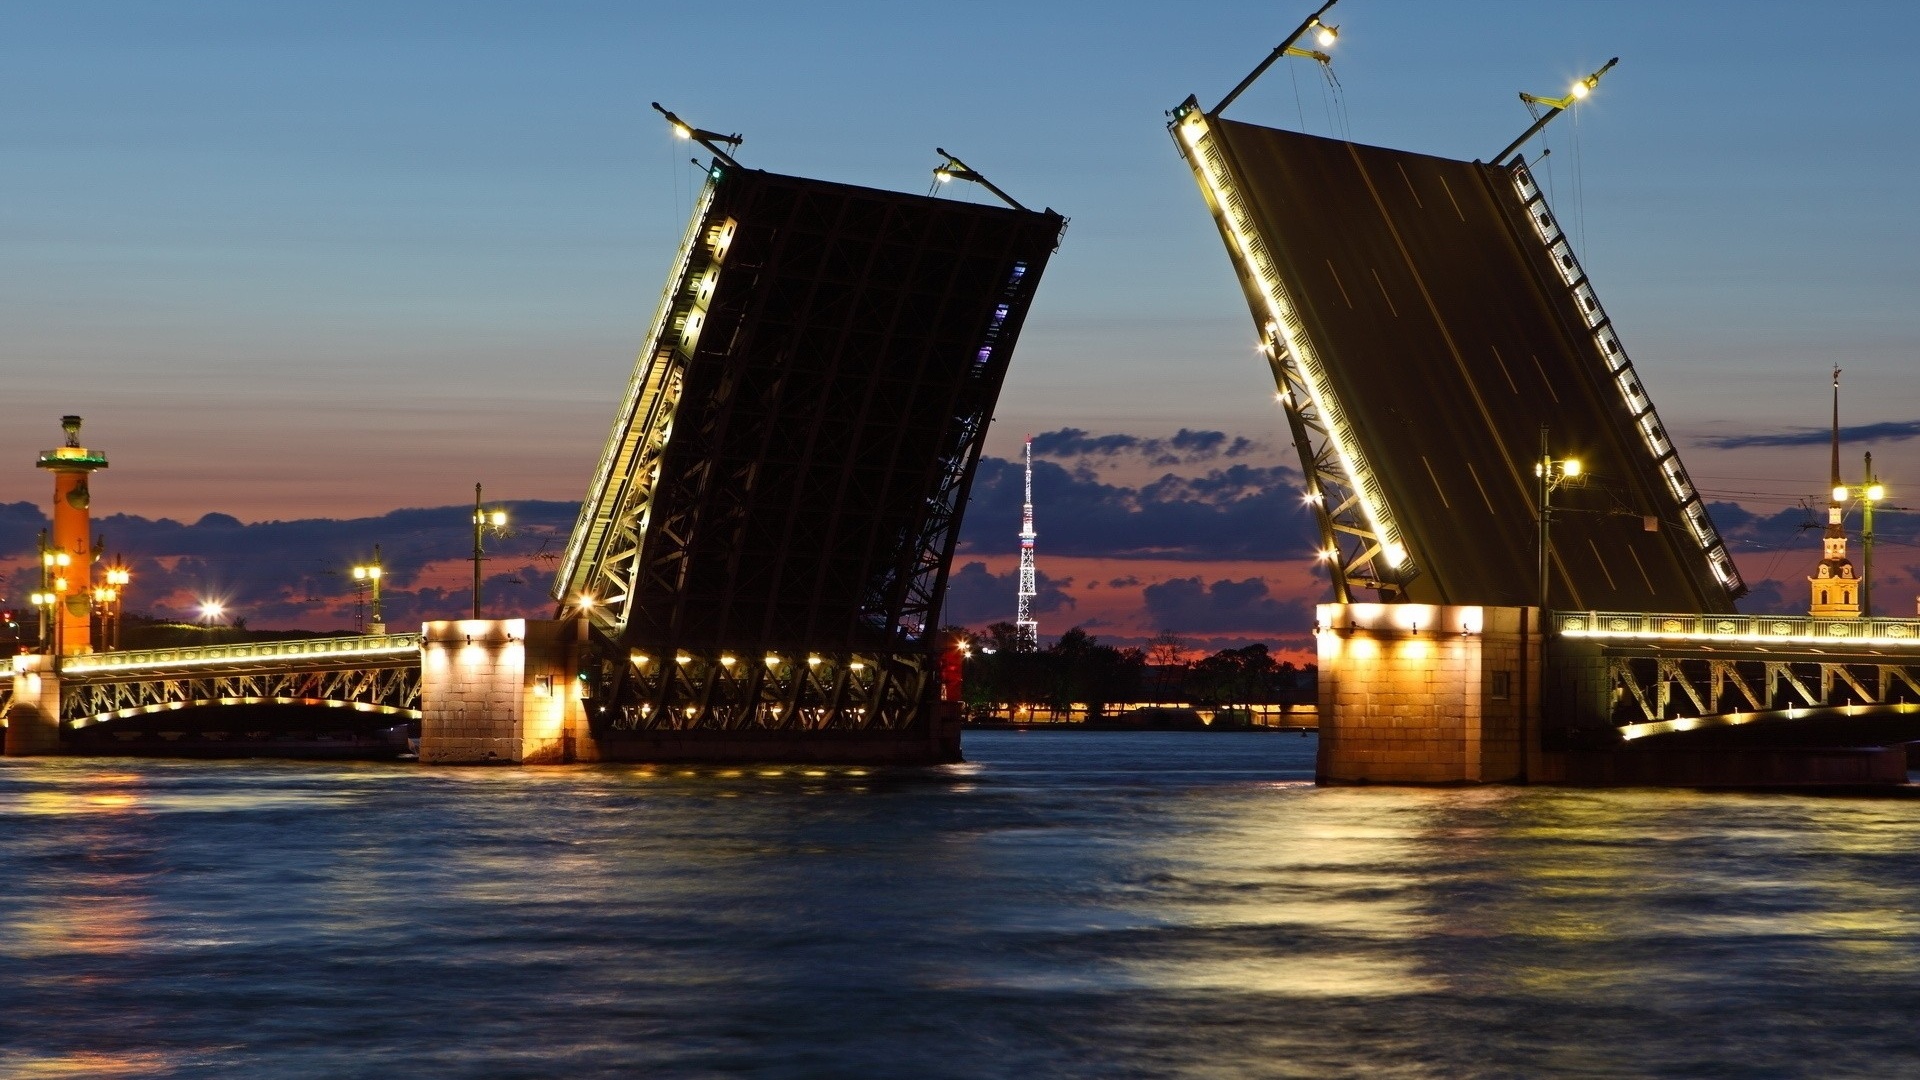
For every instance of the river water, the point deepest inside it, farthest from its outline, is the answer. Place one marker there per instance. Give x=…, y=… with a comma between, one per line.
x=1064, y=905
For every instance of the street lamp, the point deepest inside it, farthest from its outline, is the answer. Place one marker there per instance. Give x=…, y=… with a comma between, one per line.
x=211, y=610
x=43, y=601
x=54, y=567
x=484, y=521
x=1868, y=492
x=112, y=598
x=1551, y=474
x=371, y=574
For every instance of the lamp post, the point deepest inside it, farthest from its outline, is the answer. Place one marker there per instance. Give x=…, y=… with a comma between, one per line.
x=1868, y=492
x=1551, y=474
x=54, y=566
x=43, y=602
x=113, y=596
x=371, y=573
x=484, y=521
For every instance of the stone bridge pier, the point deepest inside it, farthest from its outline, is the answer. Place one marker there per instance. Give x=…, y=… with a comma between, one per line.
x=1428, y=694
x=33, y=719
x=503, y=691
x=489, y=691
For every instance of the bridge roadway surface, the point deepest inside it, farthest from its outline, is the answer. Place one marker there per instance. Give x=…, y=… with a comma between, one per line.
x=1449, y=339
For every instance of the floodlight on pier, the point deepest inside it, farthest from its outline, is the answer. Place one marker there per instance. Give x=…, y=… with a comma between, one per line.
x=708, y=139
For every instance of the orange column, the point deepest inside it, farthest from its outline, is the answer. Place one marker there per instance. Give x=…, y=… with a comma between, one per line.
x=70, y=550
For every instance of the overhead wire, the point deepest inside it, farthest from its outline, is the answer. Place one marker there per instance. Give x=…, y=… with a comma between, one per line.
x=1299, y=104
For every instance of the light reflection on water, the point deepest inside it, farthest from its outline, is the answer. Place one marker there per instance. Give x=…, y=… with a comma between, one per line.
x=1087, y=904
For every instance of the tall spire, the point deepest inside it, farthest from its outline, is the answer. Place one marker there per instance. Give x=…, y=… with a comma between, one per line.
x=1833, y=586
x=1023, y=620
x=1836, y=485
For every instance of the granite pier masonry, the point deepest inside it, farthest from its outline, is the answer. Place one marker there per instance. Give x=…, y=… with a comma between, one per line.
x=1426, y=694
x=503, y=691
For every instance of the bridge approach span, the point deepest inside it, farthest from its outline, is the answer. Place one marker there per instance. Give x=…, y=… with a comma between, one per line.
x=367, y=673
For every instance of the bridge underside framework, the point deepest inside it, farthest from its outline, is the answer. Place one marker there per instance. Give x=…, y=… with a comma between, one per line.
x=1674, y=679
x=766, y=541
x=1423, y=318
x=378, y=676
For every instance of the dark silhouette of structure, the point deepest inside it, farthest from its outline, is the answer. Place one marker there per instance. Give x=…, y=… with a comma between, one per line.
x=765, y=545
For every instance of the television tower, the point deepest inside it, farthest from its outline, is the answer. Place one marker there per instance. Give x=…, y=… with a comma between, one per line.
x=1023, y=622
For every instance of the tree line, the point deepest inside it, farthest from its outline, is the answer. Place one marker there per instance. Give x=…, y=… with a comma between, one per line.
x=1002, y=669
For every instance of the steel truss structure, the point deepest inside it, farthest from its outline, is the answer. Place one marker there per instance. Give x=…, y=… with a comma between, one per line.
x=1359, y=538
x=1661, y=694
x=1660, y=674
x=387, y=685
x=787, y=472
x=844, y=692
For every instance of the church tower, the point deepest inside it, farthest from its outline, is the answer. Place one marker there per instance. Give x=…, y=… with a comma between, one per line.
x=1835, y=589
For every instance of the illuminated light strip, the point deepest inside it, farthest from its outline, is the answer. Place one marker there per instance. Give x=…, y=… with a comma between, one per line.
x=71, y=668
x=1631, y=732
x=1282, y=317
x=1798, y=628
x=1620, y=366
x=1784, y=639
x=596, y=526
x=173, y=706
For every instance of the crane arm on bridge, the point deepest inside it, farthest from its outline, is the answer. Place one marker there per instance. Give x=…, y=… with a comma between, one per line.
x=1555, y=106
x=1326, y=37
x=702, y=136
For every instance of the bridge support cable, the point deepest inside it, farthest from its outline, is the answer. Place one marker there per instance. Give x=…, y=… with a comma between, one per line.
x=1361, y=543
x=1619, y=369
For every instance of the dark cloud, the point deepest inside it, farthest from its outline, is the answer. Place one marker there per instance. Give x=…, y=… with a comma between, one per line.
x=20, y=525
x=1184, y=447
x=1768, y=597
x=976, y=597
x=1890, y=431
x=1190, y=606
x=296, y=573
x=1239, y=512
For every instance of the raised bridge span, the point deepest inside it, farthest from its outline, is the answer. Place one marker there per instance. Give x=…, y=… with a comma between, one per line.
x=1441, y=354
x=1424, y=318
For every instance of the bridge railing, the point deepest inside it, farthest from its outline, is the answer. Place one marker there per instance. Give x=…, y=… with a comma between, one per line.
x=361, y=647
x=1607, y=340
x=1737, y=629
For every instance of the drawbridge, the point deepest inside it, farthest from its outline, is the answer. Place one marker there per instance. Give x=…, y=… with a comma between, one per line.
x=765, y=545
x=1424, y=319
